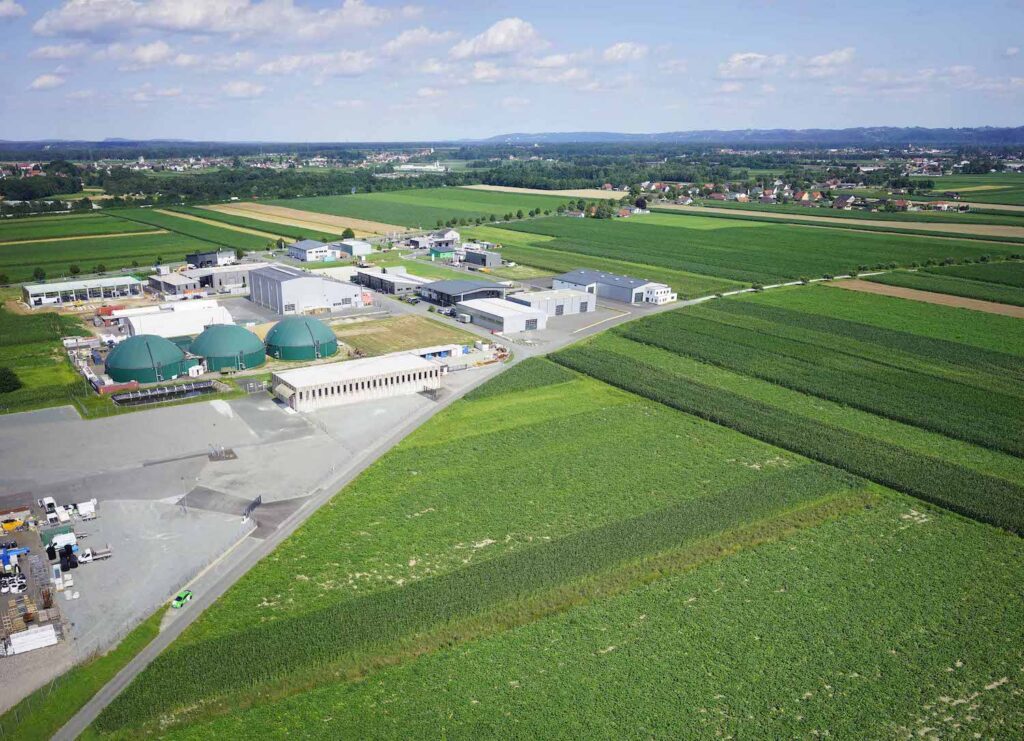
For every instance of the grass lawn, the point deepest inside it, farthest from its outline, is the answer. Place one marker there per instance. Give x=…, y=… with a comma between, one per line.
x=381, y=336
x=40, y=715
x=995, y=187
x=424, y=268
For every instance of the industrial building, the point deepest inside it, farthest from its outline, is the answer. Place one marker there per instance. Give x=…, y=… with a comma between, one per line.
x=74, y=291
x=394, y=280
x=288, y=290
x=229, y=347
x=615, y=287
x=310, y=250
x=451, y=292
x=319, y=386
x=213, y=259
x=179, y=319
x=355, y=247
x=442, y=241
x=557, y=302
x=482, y=258
x=147, y=359
x=503, y=316
x=301, y=338
x=194, y=281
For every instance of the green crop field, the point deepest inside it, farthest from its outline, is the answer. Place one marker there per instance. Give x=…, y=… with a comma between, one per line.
x=423, y=207
x=474, y=523
x=264, y=226
x=1002, y=273
x=953, y=285
x=891, y=622
x=187, y=227
x=998, y=187
x=30, y=347
x=743, y=250
x=54, y=227
x=18, y=261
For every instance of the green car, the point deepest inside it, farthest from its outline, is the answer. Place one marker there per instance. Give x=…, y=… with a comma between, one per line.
x=182, y=598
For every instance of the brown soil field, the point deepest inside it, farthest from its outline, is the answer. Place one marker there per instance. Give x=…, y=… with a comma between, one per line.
x=223, y=225
x=306, y=219
x=929, y=297
x=589, y=193
x=85, y=236
x=984, y=230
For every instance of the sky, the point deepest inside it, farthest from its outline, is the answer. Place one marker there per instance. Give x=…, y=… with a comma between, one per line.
x=407, y=70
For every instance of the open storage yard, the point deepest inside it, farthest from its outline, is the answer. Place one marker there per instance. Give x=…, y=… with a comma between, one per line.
x=381, y=336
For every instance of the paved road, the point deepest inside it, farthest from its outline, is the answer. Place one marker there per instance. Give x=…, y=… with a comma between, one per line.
x=216, y=580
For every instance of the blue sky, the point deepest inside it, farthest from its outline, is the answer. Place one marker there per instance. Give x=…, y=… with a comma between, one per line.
x=372, y=70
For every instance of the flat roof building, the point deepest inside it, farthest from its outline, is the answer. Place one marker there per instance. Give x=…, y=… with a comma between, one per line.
x=319, y=386
x=181, y=319
x=482, y=258
x=615, y=287
x=451, y=292
x=393, y=280
x=557, y=302
x=215, y=279
x=211, y=259
x=287, y=290
x=174, y=284
x=73, y=291
x=310, y=250
x=355, y=247
x=499, y=315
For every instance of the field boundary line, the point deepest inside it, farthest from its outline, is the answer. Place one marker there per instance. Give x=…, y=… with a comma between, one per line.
x=930, y=297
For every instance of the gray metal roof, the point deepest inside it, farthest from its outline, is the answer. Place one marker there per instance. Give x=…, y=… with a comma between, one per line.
x=281, y=273
x=306, y=245
x=456, y=287
x=586, y=276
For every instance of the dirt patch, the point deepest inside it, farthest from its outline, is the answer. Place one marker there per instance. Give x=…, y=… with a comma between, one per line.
x=928, y=297
x=589, y=193
x=85, y=236
x=307, y=219
x=222, y=224
x=984, y=230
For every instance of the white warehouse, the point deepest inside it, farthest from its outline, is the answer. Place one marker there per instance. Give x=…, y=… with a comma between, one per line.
x=320, y=386
x=623, y=288
x=499, y=315
x=287, y=290
x=557, y=302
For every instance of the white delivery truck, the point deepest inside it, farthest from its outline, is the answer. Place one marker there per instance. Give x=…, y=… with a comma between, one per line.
x=95, y=554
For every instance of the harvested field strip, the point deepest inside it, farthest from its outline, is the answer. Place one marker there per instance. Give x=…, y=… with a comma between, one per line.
x=112, y=235
x=365, y=626
x=930, y=297
x=38, y=228
x=981, y=417
x=952, y=285
x=765, y=253
x=285, y=230
x=968, y=492
x=591, y=194
x=873, y=625
x=1014, y=233
x=307, y=219
x=219, y=224
x=208, y=232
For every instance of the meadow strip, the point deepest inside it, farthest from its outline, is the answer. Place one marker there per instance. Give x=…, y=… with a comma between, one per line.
x=190, y=228
x=952, y=285
x=32, y=228
x=962, y=490
x=1003, y=273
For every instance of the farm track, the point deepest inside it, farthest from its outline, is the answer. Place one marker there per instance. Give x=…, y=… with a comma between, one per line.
x=928, y=297
x=87, y=236
x=306, y=219
x=985, y=230
x=221, y=224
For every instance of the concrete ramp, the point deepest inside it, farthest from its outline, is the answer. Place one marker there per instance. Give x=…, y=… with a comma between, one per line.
x=212, y=500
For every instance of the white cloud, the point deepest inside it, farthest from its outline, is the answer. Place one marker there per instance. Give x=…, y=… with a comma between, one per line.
x=434, y=67
x=673, y=66
x=187, y=60
x=730, y=88
x=139, y=57
x=429, y=92
x=148, y=93
x=236, y=18
x=59, y=51
x=767, y=88
x=10, y=9
x=328, y=64
x=554, y=61
x=242, y=89
x=749, y=65
x=81, y=95
x=485, y=72
x=1012, y=51
x=507, y=36
x=415, y=37
x=829, y=64
x=514, y=102
x=46, y=82
x=625, y=51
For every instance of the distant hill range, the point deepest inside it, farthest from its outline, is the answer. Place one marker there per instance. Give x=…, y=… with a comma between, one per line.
x=875, y=136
